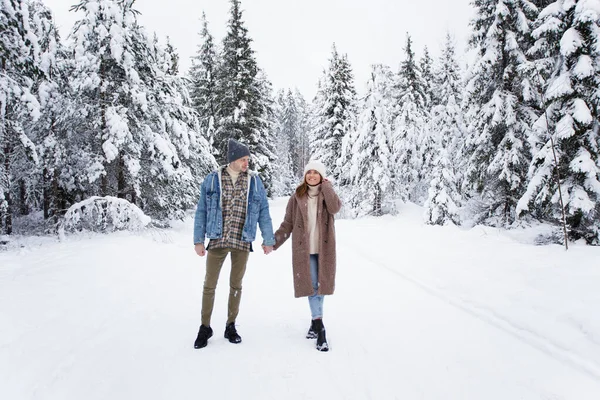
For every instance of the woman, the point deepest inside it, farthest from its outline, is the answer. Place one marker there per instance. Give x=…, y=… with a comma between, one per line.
x=309, y=219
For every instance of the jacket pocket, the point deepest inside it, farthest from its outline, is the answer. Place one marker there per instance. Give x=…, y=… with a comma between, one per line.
x=254, y=206
x=212, y=201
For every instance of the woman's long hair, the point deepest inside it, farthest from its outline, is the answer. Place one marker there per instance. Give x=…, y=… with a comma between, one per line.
x=303, y=188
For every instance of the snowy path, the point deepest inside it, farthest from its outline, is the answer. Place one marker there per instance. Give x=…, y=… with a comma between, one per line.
x=419, y=313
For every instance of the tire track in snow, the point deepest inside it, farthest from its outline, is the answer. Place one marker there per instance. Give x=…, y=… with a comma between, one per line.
x=494, y=319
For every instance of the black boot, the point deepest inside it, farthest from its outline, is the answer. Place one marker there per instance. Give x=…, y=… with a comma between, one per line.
x=203, y=334
x=321, y=339
x=231, y=333
x=311, y=334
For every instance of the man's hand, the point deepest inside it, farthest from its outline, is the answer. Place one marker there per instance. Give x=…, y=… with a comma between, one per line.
x=267, y=249
x=200, y=250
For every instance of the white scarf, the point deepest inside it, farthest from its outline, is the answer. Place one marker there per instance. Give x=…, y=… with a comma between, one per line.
x=313, y=227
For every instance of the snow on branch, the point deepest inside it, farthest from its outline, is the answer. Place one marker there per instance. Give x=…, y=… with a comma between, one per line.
x=104, y=214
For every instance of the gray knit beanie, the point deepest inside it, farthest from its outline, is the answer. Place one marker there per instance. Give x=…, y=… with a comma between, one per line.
x=236, y=150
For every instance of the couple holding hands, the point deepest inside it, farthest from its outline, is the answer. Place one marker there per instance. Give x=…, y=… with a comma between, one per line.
x=233, y=201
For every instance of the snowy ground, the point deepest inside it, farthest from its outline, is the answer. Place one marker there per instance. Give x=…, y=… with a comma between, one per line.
x=420, y=312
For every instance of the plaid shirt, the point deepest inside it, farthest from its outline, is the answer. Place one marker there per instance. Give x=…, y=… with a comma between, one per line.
x=234, y=213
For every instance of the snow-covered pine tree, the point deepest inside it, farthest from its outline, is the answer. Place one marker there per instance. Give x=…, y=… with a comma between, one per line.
x=443, y=202
x=447, y=75
x=426, y=67
x=428, y=143
x=172, y=57
x=448, y=128
x=140, y=135
x=20, y=60
x=409, y=130
x=245, y=108
x=318, y=125
x=291, y=141
x=567, y=53
x=175, y=155
x=335, y=114
x=293, y=120
x=501, y=105
x=203, y=82
x=47, y=185
x=111, y=94
x=371, y=168
x=264, y=148
x=284, y=180
x=302, y=151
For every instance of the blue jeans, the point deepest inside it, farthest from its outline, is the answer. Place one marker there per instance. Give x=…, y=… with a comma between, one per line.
x=316, y=300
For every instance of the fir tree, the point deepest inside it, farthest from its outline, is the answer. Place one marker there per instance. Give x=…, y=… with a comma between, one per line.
x=447, y=125
x=110, y=93
x=245, y=105
x=426, y=67
x=409, y=129
x=568, y=56
x=335, y=114
x=501, y=101
x=302, y=151
x=175, y=156
x=372, y=161
x=284, y=180
x=20, y=60
x=203, y=82
x=52, y=179
x=139, y=137
x=294, y=127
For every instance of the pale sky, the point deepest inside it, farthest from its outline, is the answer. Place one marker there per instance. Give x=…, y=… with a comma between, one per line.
x=293, y=39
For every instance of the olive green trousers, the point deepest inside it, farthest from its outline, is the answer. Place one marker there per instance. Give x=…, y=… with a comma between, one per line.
x=214, y=262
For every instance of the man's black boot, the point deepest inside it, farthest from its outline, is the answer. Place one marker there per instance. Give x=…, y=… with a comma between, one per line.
x=231, y=333
x=203, y=334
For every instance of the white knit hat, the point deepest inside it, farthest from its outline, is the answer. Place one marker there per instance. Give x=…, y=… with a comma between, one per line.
x=317, y=166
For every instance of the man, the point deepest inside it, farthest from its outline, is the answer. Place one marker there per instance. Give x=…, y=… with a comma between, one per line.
x=232, y=202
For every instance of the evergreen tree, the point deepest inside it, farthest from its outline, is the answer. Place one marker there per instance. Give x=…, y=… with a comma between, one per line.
x=426, y=67
x=372, y=161
x=290, y=127
x=447, y=76
x=245, y=108
x=294, y=127
x=50, y=182
x=139, y=133
x=175, y=156
x=20, y=60
x=428, y=142
x=334, y=114
x=111, y=94
x=447, y=126
x=264, y=149
x=568, y=56
x=409, y=129
x=284, y=179
x=173, y=58
x=501, y=101
x=302, y=151
x=203, y=82
x=318, y=125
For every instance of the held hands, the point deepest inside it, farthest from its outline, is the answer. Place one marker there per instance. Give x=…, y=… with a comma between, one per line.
x=267, y=249
x=200, y=250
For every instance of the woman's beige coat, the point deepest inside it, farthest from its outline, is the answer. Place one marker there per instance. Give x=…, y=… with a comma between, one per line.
x=295, y=223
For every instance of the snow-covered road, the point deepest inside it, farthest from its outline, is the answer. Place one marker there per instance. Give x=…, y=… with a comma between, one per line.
x=419, y=312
